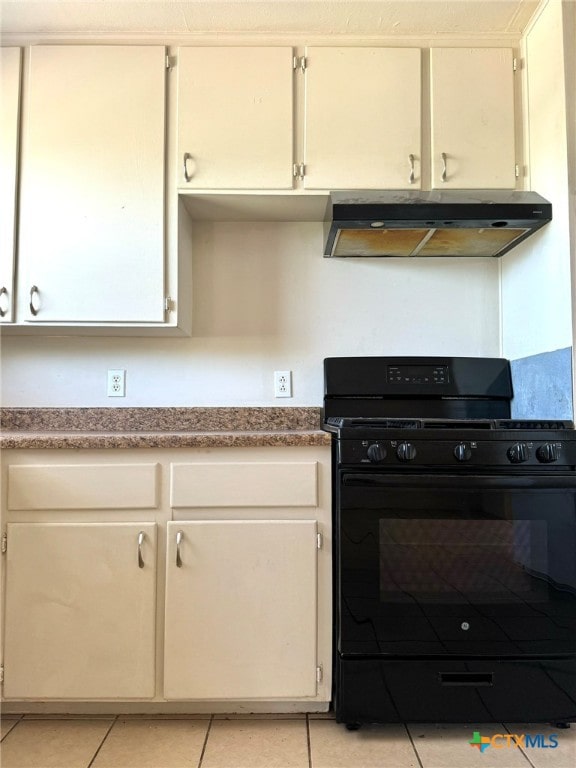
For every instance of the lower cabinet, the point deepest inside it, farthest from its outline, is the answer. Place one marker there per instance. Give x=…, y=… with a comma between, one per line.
x=193, y=575
x=241, y=609
x=80, y=610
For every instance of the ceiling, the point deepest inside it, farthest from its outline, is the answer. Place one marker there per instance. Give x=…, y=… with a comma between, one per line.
x=346, y=17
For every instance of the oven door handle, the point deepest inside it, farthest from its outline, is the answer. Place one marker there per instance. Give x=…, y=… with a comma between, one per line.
x=551, y=480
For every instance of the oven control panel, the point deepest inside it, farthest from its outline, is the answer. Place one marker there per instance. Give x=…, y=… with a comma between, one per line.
x=417, y=374
x=446, y=453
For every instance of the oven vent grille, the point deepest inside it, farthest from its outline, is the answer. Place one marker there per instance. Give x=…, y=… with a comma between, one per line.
x=379, y=423
x=515, y=424
x=452, y=424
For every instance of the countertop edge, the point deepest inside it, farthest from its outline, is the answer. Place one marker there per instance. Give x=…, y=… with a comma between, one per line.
x=86, y=440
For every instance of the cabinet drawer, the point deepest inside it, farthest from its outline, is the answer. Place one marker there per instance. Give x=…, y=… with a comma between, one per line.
x=244, y=484
x=83, y=486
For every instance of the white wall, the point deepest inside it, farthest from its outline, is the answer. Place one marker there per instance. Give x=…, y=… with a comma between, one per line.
x=265, y=299
x=569, y=16
x=536, y=282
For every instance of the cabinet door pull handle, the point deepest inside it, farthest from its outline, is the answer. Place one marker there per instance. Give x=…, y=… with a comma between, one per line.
x=443, y=166
x=140, y=542
x=4, y=292
x=34, y=292
x=179, y=537
x=187, y=176
x=411, y=161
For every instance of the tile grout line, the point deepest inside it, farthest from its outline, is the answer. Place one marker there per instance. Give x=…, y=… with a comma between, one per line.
x=95, y=755
x=205, y=741
x=420, y=763
x=308, y=741
x=18, y=719
x=520, y=748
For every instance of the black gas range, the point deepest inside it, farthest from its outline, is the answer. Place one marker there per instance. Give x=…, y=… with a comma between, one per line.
x=454, y=545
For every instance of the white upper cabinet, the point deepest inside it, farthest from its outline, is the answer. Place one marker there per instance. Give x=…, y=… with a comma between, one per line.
x=235, y=118
x=92, y=196
x=362, y=118
x=98, y=241
x=9, y=108
x=472, y=102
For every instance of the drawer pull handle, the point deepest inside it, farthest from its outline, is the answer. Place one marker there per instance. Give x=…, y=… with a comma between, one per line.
x=411, y=161
x=140, y=542
x=179, y=537
x=474, y=679
x=444, y=169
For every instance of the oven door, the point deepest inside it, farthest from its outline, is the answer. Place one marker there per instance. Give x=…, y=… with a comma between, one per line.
x=462, y=565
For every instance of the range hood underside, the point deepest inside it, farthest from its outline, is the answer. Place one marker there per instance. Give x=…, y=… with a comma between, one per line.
x=477, y=241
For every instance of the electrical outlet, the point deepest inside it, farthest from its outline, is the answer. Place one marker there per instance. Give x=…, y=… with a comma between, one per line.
x=282, y=383
x=116, y=383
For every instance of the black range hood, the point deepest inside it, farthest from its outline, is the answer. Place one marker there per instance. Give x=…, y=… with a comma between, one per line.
x=484, y=222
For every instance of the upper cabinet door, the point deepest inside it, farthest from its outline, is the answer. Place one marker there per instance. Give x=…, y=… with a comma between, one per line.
x=363, y=115
x=10, y=106
x=235, y=118
x=472, y=102
x=92, y=198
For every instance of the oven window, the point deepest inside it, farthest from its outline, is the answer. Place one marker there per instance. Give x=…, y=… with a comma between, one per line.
x=432, y=566
x=463, y=561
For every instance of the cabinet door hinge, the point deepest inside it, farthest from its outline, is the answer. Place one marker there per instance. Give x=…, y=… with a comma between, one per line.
x=1, y=673
x=515, y=64
x=299, y=62
x=319, y=541
x=517, y=171
x=168, y=304
x=4, y=545
x=170, y=62
x=299, y=170
x=319, y=673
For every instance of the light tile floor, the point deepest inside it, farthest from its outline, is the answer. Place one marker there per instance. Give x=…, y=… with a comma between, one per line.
x=264, y=741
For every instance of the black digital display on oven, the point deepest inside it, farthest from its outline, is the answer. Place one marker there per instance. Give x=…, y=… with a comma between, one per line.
x=418, y=374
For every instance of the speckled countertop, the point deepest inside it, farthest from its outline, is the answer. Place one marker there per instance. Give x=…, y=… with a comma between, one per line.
x=159, y=427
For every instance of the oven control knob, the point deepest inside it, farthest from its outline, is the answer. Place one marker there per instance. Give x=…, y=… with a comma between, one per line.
x=518, y=453
x=406, y=452
x=462, y=452
x=547, y=453
x=376, y=453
